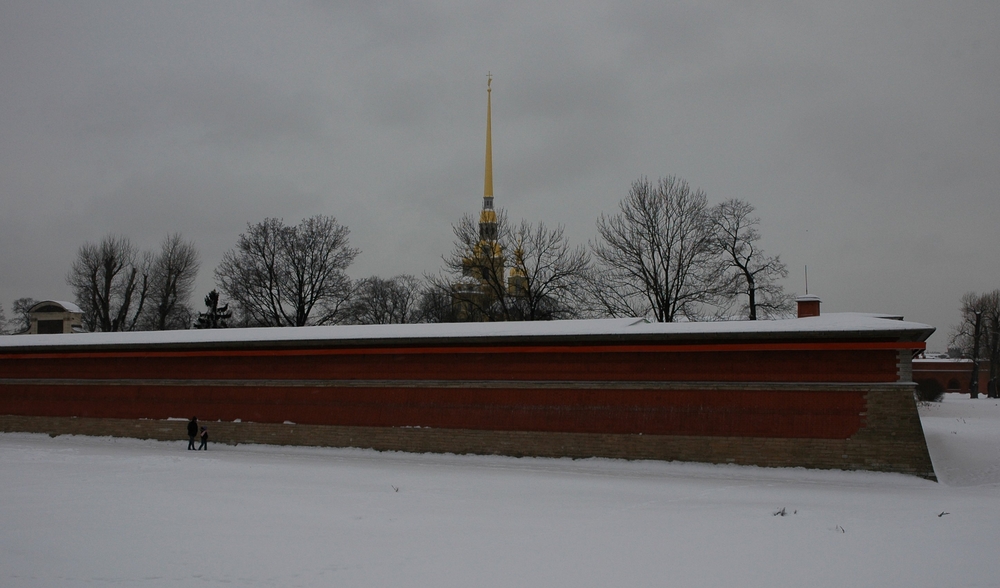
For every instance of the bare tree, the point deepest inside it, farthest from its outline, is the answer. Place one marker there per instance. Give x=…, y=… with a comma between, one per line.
x=990, y=302
x=752, y=277
x=547, y=276
x=380, y=301
x=657, y=256
x=436, y=303
x=527, y=272
x=289, y=276
x=963, y=334
x=21, y=321
x=111, y=283
x=172, y=277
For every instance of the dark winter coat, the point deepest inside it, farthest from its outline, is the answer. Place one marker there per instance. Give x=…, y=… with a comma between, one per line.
x=192, y=428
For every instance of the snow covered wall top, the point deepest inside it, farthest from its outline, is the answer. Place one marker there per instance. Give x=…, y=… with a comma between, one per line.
x=828, y=326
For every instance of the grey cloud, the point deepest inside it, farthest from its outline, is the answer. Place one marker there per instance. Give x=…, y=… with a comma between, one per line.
x=221, y=109
x=864, y=132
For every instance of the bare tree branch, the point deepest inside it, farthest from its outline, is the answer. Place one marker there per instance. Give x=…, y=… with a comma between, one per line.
x=547, y=276
x=962, y=336
x=656, y=256
x=524, y=272
x=477, y=283
x=21, y=321
x=379, y=301
x=751, y=276
x=111, y=283
x=289, y=276
x=172, y=277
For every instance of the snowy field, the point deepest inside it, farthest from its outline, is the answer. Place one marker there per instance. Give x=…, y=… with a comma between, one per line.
x=80, y=511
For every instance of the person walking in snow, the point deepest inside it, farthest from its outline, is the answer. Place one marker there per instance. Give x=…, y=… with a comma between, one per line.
x=204, y=439
x=192, y=431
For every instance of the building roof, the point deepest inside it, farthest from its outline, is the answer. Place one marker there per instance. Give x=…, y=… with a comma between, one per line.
x=66, y=306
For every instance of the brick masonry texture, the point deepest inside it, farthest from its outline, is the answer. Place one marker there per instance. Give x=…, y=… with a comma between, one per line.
x=838, y=407
x=891, y=441
x=702, y=409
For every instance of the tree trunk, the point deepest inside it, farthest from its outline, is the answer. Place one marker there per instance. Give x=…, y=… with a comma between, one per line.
x=974, y=380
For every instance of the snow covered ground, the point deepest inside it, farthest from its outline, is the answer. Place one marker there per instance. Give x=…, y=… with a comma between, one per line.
x=79, y=511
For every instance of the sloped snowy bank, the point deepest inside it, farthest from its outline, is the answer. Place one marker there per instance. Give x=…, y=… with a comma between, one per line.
x=118, y=512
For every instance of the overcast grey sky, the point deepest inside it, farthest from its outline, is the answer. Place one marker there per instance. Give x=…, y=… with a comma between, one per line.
x=866, y=132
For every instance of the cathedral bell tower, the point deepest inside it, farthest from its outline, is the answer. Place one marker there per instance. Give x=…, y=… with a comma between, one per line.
x=488, y=217
x=485, y=291
x=486, y=262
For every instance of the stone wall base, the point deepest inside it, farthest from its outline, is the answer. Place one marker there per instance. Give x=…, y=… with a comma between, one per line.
x=866, y=451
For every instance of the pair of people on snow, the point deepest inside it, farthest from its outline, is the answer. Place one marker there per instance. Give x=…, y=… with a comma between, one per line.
x=193, y=432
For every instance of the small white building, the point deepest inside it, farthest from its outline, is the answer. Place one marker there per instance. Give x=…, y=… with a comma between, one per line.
x=54, y=316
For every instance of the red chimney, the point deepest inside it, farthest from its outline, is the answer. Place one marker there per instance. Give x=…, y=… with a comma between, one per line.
x=808, y=305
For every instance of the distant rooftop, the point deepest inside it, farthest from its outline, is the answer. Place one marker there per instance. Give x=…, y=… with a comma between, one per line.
x=66, y=306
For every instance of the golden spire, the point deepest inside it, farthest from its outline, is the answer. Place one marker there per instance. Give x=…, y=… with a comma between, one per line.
x=488, y=217
x=488, y=179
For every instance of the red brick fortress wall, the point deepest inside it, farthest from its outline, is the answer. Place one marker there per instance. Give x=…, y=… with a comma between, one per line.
x=829, y=404
x=953, y=375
